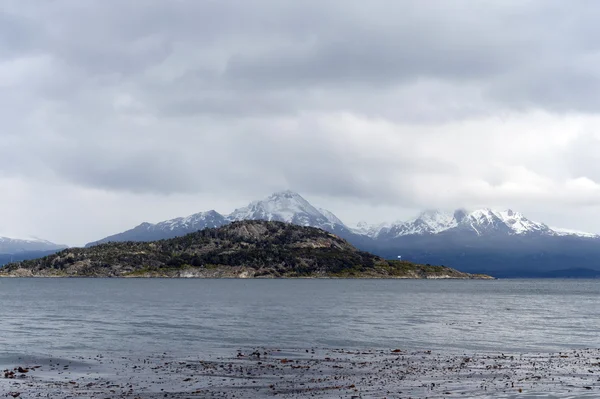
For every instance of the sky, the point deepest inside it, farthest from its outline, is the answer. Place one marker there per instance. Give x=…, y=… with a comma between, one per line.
x=118, y=112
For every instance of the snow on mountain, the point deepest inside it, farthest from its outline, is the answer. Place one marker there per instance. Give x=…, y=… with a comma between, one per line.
x=167, y=229
x=290, y=207
x=196, y=221
x=567, y=232
x=362, y=228
x=30, y=240
x=480, y=222
x=285, y=206
x=508, y=221
x=10, y=245
x=520, y=224
x=371, y=230
x=331, y=217
x=428, y=222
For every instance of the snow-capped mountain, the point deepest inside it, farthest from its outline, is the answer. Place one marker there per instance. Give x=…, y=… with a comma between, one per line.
x=365, y=229
x=428, y=222
x=480, y=222
x=285, y=206
x=168, y=229
x=576, y=233
x=501, y=243
x=509, y=222
x=291, y=207
x=193, y=222
x=19, y=245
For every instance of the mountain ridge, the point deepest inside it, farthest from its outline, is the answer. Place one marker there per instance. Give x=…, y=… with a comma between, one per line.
x=501, y=243
x=243, y=249
x=476, y=221
x=13, y=246
x=290, y=207
x=285, y=206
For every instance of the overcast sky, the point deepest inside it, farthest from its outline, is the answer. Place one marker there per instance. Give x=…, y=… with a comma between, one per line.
x=117, y=112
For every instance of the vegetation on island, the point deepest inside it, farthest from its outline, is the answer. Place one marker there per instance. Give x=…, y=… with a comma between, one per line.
x=241, y=249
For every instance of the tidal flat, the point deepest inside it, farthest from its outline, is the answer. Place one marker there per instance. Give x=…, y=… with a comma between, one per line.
x=299, y=373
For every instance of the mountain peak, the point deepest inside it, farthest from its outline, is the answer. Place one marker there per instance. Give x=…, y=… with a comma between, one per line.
x=480, y=221
x=482, y=212
x=430, y=213
x=283, y=206
x=289, y=207
x=431, y=221
x=289, y=194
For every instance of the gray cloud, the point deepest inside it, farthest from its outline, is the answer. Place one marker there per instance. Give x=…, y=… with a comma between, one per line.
x=200, y=53
x=390, y=104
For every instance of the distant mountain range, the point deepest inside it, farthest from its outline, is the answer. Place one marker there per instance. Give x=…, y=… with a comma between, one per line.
x=287, y=207
x=17, y=249
x=481, y=222
x=19, y=246
x=501, y=243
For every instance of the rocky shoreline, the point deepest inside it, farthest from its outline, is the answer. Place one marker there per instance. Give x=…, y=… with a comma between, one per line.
x=229, y=274
x=298, y=373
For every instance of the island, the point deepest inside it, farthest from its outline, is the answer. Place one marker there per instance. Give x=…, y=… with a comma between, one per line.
x=245, y=249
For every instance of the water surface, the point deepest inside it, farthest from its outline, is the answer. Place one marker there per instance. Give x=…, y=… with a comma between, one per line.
x=67, y=317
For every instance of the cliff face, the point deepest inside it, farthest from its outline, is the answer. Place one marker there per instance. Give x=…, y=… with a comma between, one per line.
x=241, y=249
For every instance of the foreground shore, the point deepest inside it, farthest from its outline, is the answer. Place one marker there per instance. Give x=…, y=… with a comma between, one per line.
x=263, y=372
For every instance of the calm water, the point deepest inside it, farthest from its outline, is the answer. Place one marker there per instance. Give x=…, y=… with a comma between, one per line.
x=66, y=317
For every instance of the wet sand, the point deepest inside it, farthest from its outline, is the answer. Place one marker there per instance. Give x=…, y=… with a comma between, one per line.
x=264, y=372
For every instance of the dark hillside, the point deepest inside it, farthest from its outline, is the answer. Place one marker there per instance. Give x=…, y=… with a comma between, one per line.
x=240, y=249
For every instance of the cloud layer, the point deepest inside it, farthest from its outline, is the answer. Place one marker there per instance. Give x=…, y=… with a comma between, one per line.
x=114, y=113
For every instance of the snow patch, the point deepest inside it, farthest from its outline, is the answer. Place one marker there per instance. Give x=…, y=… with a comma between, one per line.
x=285, y=206
x=479, y=221
x=568, y=232
x=290, y=207
x=330, y=216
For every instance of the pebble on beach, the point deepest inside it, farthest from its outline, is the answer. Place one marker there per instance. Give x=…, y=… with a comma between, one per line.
x=265, y=372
